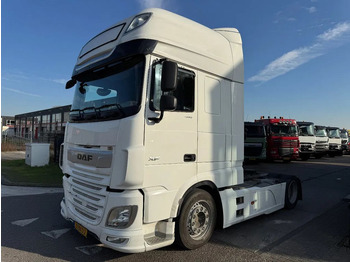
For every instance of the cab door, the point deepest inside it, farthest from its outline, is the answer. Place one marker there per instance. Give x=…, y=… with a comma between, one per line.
x=171, y=142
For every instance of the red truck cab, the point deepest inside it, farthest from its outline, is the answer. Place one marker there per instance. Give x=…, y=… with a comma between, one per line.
x=282, y=138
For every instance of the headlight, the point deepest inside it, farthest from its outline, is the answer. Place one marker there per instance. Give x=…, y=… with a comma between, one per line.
x=138, y=21
x=121, y=217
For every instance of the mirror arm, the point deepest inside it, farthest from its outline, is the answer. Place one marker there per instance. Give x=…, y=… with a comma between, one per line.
x=157, y=119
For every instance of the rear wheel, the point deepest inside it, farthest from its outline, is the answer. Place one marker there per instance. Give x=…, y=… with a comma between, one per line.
x=197, y=220
x=292, y=192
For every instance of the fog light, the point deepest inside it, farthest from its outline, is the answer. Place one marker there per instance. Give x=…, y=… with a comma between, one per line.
x=121, y=217
x=117, y=240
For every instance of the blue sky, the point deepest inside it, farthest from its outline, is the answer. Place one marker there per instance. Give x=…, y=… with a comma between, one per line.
x=297, y=53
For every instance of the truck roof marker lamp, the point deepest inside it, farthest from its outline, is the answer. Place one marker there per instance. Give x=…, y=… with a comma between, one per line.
x=138, y=21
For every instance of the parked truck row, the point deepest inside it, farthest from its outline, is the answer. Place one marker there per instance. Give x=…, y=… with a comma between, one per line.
x=154, y=148
x=288, y=139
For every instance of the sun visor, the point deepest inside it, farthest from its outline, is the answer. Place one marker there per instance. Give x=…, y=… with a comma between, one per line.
x=100, y=46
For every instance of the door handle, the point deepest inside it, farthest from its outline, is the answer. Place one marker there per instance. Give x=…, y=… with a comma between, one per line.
x=190, y=157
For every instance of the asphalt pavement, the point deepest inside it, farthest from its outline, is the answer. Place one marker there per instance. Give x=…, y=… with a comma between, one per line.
x=318, y=229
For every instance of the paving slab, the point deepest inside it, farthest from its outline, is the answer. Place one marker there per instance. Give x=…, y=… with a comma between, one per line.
x=13, y=155
x=7, y=191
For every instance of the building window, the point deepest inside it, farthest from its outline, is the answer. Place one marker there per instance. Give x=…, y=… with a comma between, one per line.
x=56, y=122
x=45, y=124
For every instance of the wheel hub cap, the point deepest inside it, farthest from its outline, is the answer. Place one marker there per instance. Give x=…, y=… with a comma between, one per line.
x=198, y=220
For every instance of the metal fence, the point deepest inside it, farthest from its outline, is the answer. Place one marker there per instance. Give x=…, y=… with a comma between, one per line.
x=18, y=143
x=13, y=143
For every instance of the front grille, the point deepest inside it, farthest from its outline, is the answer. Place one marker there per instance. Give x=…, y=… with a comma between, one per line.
x=86, y=195
x=285, y=143
x=285, y=152
x=321, y=147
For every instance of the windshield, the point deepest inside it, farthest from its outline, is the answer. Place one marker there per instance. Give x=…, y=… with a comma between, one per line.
x=283, y=130
x=321, y=132
x=254, y=131
x=344, y=134
x=111, y=92
x=333, y=133
x=306, y=130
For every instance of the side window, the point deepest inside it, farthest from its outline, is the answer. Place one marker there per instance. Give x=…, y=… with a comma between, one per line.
x=184, y=92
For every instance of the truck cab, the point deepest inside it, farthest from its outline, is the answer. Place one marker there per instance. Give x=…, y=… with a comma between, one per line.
x=322, y=141
x=282, y=138
x=345, y=140
x=254, y=141
x=334, y=141
x=307, y=139
x=153, y=150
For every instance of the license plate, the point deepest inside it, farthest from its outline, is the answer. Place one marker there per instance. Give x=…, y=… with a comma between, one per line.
x=82, y=230
x=286, y=158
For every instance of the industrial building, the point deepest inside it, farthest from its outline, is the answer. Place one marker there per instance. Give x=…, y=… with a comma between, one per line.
x=43, y=125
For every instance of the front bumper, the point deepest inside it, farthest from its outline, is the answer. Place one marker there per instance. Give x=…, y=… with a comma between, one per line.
x=131, y=240
x=306, y=149
x=284, y=153
x=334, y=147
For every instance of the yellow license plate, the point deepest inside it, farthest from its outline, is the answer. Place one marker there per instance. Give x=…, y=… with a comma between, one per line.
x=82, y=230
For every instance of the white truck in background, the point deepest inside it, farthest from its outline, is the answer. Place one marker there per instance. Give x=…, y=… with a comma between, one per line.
x=334, y=141
x=153, y=151
x=307, y=139
x=345, y=141
x=322, y=141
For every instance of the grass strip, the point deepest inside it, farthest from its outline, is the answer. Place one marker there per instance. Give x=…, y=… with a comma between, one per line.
x=16, y=172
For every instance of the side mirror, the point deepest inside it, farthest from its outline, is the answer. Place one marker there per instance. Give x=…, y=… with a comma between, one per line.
x=169, y=76
x=168, y=103
x=71, y=83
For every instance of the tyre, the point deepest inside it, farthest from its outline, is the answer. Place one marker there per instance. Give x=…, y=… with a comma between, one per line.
x=292, y=194
x=197, y=220
x=318, y=156
x=304, y=157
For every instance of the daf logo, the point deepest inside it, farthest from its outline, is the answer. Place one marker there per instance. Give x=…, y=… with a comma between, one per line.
x=84, y=157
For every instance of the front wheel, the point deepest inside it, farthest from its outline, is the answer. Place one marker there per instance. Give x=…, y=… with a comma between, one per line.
x=304, y=157
x=197, y=220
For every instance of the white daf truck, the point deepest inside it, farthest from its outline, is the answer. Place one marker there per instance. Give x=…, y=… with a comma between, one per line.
x=322, y=141
x=153, y=150
x=307, y=139
x=334, y=141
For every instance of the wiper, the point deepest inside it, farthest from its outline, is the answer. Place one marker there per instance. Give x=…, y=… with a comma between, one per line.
x=97, y=111
x=116, y=105
x=81, y=111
